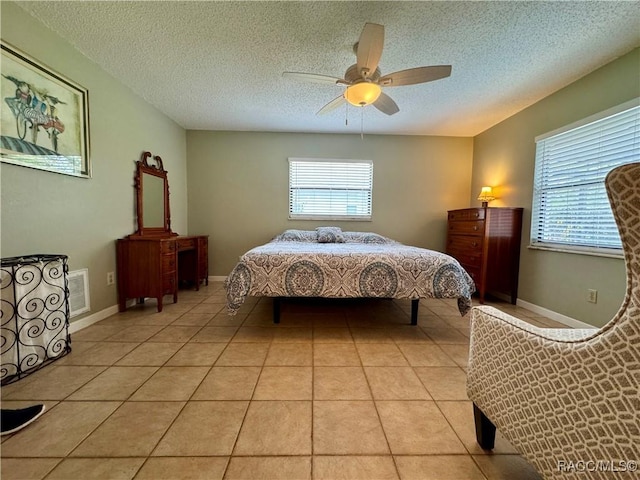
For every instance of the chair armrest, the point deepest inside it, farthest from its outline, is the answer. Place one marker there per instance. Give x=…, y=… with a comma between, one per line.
x=504, y=348
x=540, y=386
x=491, y=315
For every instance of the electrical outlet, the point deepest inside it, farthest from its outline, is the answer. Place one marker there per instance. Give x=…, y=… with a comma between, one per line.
x=110, y=278
x=592, y=297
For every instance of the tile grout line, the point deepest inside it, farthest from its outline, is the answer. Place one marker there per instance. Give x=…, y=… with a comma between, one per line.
x=253, y=391
x=150, y=454
x=146, y=458
x=313, y=399
x=375, y=406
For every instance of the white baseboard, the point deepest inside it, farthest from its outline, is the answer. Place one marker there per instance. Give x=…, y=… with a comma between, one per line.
x=93, y=318
x=558, y=317
x=107, y=312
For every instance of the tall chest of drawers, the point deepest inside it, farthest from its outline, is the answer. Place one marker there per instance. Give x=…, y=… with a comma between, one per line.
x=486, y=242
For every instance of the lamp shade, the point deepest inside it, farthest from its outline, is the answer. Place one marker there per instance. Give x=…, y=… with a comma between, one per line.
x=362, y=94
x=486, y=194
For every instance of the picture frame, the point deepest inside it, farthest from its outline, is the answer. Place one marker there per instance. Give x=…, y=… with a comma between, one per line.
x=44, y=117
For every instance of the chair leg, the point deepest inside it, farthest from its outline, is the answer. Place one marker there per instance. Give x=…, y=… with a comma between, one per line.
x=485, y=430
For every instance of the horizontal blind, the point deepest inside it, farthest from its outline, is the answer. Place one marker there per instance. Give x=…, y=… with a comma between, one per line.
x=570, y=204
x=330, y=189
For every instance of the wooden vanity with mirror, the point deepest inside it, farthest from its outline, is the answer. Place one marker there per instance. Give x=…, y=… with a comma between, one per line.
x=154, y=261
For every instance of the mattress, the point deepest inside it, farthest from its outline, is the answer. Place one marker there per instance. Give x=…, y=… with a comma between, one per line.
x=300, y=263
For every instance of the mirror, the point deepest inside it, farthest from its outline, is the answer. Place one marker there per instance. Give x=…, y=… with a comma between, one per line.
x=152, y=197
x=152, y=203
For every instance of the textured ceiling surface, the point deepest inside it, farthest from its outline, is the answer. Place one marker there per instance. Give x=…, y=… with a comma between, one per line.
x=218, y=65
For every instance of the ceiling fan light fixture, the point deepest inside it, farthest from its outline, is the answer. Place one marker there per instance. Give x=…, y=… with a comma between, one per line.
x=364, y=80
x=362, y=94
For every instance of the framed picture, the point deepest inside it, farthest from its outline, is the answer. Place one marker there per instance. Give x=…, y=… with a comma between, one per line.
x=44, y=117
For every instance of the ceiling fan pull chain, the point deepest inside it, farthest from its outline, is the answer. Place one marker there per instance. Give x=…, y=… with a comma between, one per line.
x=346, y=115
x=361, y=123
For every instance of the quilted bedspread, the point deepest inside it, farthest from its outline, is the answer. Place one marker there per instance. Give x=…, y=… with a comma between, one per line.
x=296, y=264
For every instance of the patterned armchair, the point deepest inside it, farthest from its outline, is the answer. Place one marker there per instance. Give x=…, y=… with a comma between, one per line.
x=568, y=400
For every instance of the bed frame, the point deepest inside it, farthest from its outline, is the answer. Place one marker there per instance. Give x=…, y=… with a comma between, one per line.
x=414, y=310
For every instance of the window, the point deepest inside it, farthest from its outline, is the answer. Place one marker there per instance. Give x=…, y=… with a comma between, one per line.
x=330, y=189
x=570, y=206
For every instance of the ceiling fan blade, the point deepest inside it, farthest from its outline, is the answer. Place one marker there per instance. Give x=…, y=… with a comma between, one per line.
x=415, y=75
x=369, y=49
x=332, y=105
x=314, y=78
x=385, y=104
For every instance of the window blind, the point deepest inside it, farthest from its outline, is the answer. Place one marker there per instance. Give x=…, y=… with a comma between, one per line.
x=330, y=189
x=570, y=206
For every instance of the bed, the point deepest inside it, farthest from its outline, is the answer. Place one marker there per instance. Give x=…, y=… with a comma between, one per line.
x=330, y=263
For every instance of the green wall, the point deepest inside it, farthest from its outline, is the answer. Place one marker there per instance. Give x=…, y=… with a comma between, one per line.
x=44, y=212
x=504, y=156
x=238, y=186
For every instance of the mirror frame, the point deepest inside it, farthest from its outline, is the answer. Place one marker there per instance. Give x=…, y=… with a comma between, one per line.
x=143, y=166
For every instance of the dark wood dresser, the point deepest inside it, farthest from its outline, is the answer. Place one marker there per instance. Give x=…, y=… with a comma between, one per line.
x=486, y=241
x=155, y=266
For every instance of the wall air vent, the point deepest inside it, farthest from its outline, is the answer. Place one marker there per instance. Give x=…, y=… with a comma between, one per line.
x=78, y=292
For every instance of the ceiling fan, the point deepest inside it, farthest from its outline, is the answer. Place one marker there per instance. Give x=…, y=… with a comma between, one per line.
x=364, y=80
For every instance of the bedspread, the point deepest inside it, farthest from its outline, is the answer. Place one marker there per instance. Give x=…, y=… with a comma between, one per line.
x=362, y=266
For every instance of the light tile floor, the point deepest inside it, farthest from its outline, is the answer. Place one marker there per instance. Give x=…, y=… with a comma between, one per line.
x=339, y=390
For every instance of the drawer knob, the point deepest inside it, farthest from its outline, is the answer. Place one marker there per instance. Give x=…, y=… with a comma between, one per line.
x=475, y=227
x=474, y=244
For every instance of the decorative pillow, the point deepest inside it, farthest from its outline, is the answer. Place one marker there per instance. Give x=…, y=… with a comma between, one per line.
x=297, y=236
x=330, y=235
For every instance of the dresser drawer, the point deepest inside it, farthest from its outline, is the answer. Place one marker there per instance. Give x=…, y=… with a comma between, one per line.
x=186, y=243
x=466, y=214
x=169, y=282
x=466, y=249
x=468, y=227
x=474, y=272
x=465, y=257
x=168, y=263
x=466, y=243
x=168, y=246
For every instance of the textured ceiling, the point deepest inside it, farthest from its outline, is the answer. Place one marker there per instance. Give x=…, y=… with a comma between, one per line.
x=218, y=65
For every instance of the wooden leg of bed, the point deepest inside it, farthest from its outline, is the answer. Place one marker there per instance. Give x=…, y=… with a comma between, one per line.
x=485, y=430
x=276, y=309
x=414, y=311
